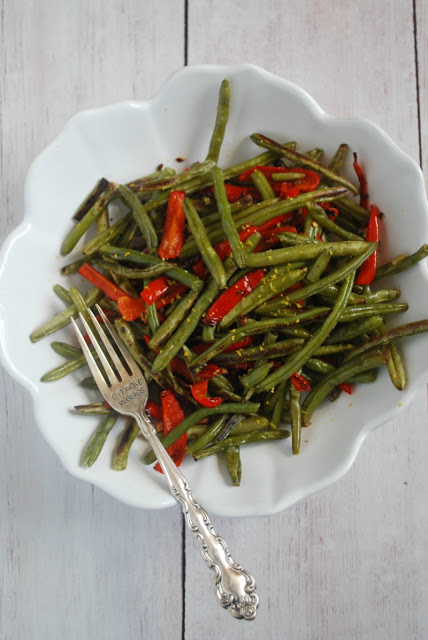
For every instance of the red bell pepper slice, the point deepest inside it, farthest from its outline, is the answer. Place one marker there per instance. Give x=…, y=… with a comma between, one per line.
x=173, y=234
x=199, y=391
x=234, y=192
x=223, y=250
x=210, y=371
x=367, y=270
x=346, y=387
x=309, y=183
x=230, y=298
x=270, y=237
x=275, y=222
x=130, y=308
x=108, y=287
x=289, y=190
x=154, y=409
x=173, y=292
x=364, y=192
x=172, y=416
x=299, y=382
x=155, y=290
x=241, y=344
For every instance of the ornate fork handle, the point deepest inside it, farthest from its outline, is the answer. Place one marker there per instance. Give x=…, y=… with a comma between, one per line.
x=234, y=587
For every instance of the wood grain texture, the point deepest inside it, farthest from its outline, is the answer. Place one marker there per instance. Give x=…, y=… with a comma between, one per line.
x=75, y=562
x=350, y=562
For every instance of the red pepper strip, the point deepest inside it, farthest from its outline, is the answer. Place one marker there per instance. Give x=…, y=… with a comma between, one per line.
x=130, y=308
x=289, y=190
x=234, y=192
x=108, y=287
x=270, y=237
x=201, y=347
x=210, y=371
x=175, y=222
x=241, y=344
x=346, y=387
x=173, y=292
x=274, y=222
x=223, y=250
x=367, y=271
x=364, y=192
x=154, y=409
x=199, y=391
x=172, y=416
x=230, y=298
x=155, y=290
x=308, y=183
x=299, y=382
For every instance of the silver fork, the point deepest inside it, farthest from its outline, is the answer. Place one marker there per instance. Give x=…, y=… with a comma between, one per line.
x=126, y=391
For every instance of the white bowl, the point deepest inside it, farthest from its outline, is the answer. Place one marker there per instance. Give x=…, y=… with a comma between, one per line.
x=127, y=140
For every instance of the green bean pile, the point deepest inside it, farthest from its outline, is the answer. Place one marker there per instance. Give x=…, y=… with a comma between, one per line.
x=306, y=320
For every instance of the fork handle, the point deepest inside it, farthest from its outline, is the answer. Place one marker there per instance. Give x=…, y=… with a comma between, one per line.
x=234, y=586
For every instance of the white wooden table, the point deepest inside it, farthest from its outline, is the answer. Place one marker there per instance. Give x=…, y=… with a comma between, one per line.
x=348, y=563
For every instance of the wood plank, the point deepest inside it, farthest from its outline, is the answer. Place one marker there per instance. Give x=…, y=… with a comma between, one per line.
x=350, y=562
x=75, y=562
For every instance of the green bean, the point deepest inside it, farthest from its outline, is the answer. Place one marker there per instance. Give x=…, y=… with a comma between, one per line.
x=96, y=443
x=321, y=217
x=315, y=154
x=245, y=438
x=103, y=221
x=395, y=365
x=66, y=350
x=62, y=319
x=289, y=238
x=187, y=327
x=336, y=163
x=318, y=267
x=279, y=403
x=383, y=295
x=94, y=245
x=309, y=251
x=284, y=177
x=331, y=349
x=170, y=324
x=295, y=362
x=227, y=221
x=274, y=283
x=364, y=361
x=80, y=229
x=263, y=213
x=296, y=419
x=140, y=274
x=92, y=198
x=248, y=425
x=64, y=369
x=277, y=350
x=262, y=185
x=300, y=159
x=401, y=263
x=222, y=117
x=331, y=278
x=94, y=409
x=197, y=170
x=366, y=377
x=139, y=184
x=251, y=379
x=319, y=366
x=88, y=383
x=355, y=312
x=209, y=256
x=224, y=388
x=82, y=308
x=250, y=329
x=120, y=457
x=201, y=414
x=233, y=463
x=73, y=267
x=354, y=330
x=357, y=213
x=62, y=294
x=129, y=255
x=140, y=215
x=209, y=436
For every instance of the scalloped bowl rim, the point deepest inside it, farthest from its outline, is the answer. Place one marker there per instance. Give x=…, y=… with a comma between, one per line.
x=24, y=227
